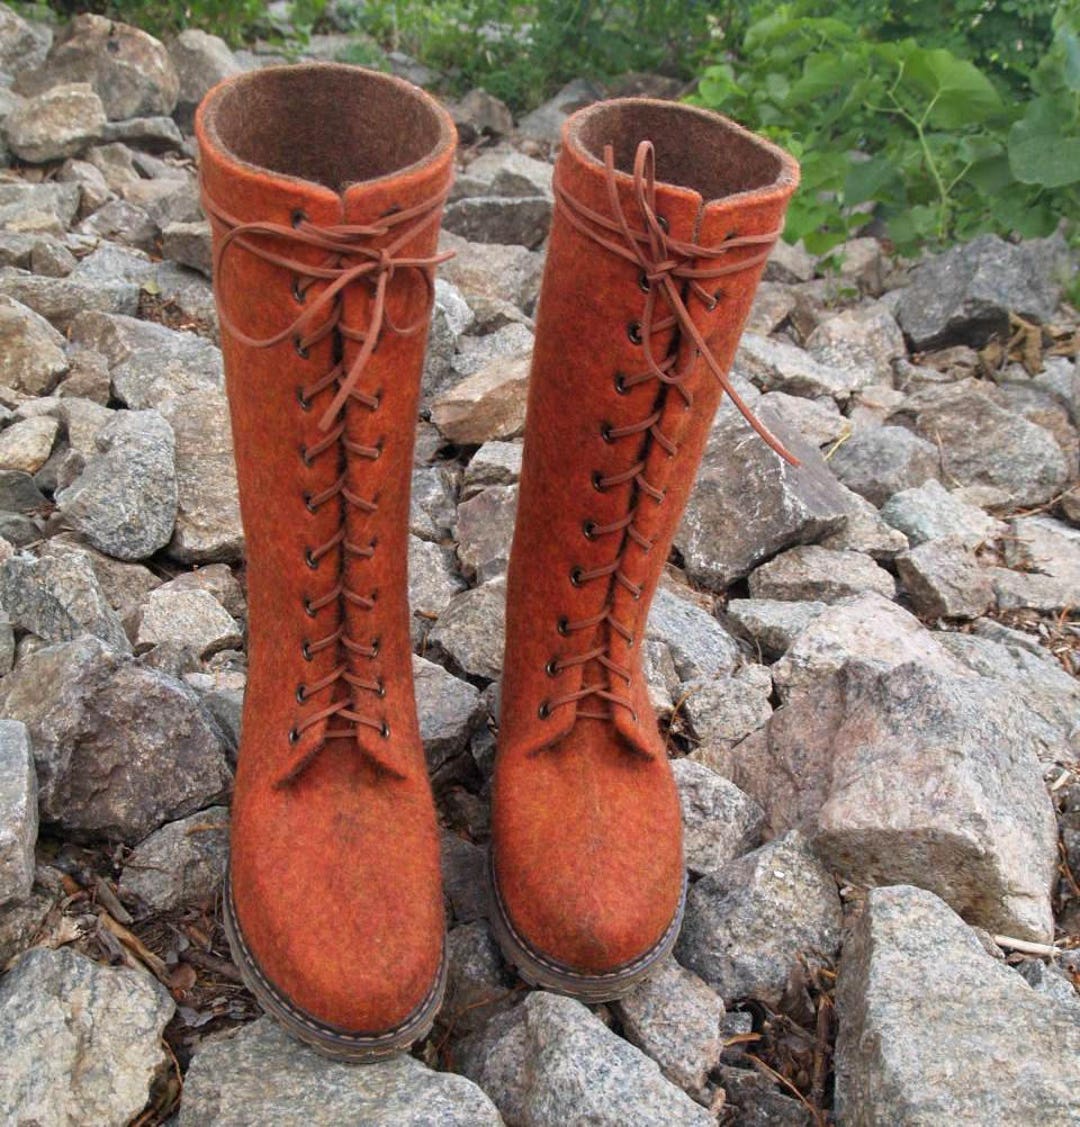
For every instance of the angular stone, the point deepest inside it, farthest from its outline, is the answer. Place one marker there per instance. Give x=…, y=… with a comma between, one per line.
x=776, y=365
x=720, y=823
x=156, y=132
x=432, y=513
x=23, y=45
x=487, y=271
x=880, y=462
x=862, y=340
x=182, y=863
x=551, y=1061
x=261, y=1075
x=809, y=573
x=59, y=123
x=124, y=502
x=464, y=869
x=27, y=445
x=58, y=598
x=478, y=984
x=517, y=220
x=965, y=295
x=201, y=60
x=545, y=122
x=125, y=585
x=748, y=504
x=120, y=749
x=485, y=527
x=61, y=300
x=479, y=113
x=930, y=512
x=771, y=624
x=1046, y=553
x=19, y=494
x=919, y=999
x=18, y=812
x=675, y=1018
x=495, y=463
x=476, y=352
x=432, y=584
x=721, y=712
x=789, y=263
x=26, y=206
x=31, y=351
x=488, y=404
x=511, y=173
x=943, y=579
x=862, y=262
x=700, y=647
x=189, y=245
x=470, y=632
x=818, y=420
x=450, y=317
x=773, y=304
x=22, y=921
x=208, y=526
x=129, y=70
x=121, y=222
x=191, y=618
x=749, y=924
x=449, y=710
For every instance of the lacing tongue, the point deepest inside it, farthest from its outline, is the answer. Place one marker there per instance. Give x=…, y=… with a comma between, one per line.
x=350, y=258
x=672, y=270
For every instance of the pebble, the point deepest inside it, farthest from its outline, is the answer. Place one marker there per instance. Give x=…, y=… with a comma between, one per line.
x=478, y=984
x=724, y=711
x=495, y=463
x=489, y=271
x=517, y=220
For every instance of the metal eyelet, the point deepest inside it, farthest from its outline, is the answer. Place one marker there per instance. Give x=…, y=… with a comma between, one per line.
x=378, y=397
x=294, y=736
x=310, y=560
x=301, y=350
x=305, y=404
x=562, y=626
x=384, y=731
x=598, y=482
x=544, y=711
x=376, y=643
x=643, y=282
x=308, y=497
x=309, y=608
x=299, y=295
x=731, y=235
x=379, y=449
x=630, y=642
x=298, y=216
x=662, y=223
x=552, y=668
x=576, y=574
x=305, y=457
x=620, y=384
x=633, y=331
x=381, y=690
x=588, y=530
x=305, y=650
x=605, y=432
x=301, y=694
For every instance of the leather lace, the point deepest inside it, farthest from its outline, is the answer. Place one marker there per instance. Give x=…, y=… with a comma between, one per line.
x=675, y=273
x=351, y=258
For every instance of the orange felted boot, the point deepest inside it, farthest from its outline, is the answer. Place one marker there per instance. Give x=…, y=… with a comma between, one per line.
x=324, y=185
x=665, y=216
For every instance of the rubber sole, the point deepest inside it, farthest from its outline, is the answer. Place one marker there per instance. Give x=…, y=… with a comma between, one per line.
x=538, y=969
x=329, y=1040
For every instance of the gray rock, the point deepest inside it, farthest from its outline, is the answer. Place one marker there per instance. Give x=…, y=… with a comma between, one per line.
x=965, y=295
x=182, y=863
x=495, y=463
x=201, y=60
x=485, y=527
x=121, y=222
x=432, y=584
x=464, y=876
x=189, y=244
x=431, y=502
x=189, y=293
x=116, y=163
x=61, y=122
x=675, y=1018
x=918, y=1000
x=880, y=462
x=449, y=710
x=486, y=405
x=930, y=512
x=26, y=206
x=23, y=45
x=551, y=1061
x=749, y=924
x=470, y=633
x=478, y=984
x=22, y=921
x=700, y=647
x=753, y=1099
x=773, y=305
x=26, y=445
x=789, y=263
x=721, y=712
x=770, y=624
x=477, y=352
x=758, y=502
x=943, y=579
x=545, y=123
x=720, y=823
x=512, y=173
x=488, y=271
x=1046, y=554
x=478, y=113
x=61, y=300
x=124, y=502
x=193, y=618
x=261, y=1075
x=31, y=351
x=126, y=585
x=774, y=364
x=18, y=493
x=130, y=70
x=871, y=406
x=120, y=749
x=208, y=526
x=518, y=220
x=18, y=812
x=818, y=420
x=102, y=1026
x=450, y=317
x=1052, y=981
x=58, y=598
x=157, y=132
x=810, y=573
x=862, y=340
x=862, y=262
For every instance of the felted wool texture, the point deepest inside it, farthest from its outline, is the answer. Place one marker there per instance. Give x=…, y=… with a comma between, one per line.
x=586, y=824
x=335, y=876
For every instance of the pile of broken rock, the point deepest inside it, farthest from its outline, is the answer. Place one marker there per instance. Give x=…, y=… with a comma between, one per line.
x=867, y=665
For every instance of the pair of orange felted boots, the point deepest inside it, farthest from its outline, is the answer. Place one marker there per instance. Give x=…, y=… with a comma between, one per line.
x=324, y=186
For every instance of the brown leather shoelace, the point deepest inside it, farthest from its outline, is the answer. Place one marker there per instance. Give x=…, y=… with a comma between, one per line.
x=350, y=259
x=676, y=273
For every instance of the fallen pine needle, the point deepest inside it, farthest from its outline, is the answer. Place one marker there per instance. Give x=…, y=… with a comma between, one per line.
x=1026, y=947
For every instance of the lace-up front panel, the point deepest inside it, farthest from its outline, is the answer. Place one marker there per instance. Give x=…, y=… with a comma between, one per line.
x=677, y=280
x=340, y=488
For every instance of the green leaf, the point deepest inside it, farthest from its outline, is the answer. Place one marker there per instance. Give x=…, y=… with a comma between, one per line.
x=1038, y=152
x=868, y=179
x=960, y=92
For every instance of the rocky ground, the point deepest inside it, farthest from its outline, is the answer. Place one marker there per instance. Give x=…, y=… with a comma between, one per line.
x=866, y=666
